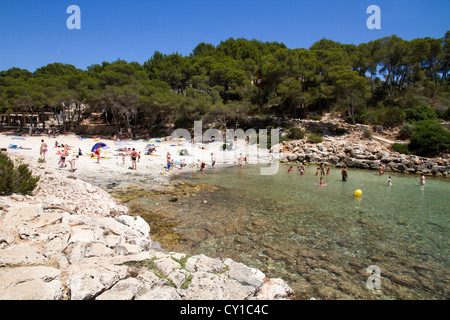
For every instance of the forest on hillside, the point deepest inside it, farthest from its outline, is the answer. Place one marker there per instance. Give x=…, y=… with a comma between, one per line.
x=389, y=82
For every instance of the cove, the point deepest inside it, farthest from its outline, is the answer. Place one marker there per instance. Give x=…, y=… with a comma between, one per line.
x=321, y=240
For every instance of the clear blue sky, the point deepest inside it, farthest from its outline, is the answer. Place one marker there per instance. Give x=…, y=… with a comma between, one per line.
x=34, y=32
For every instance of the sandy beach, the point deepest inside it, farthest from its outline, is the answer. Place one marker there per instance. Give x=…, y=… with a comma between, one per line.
x=71, y=240
x=112, y=168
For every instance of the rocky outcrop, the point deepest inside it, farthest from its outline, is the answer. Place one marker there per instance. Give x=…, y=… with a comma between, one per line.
x=73, y=241
x=358, y=152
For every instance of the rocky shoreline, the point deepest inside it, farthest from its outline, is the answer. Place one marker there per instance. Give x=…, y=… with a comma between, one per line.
x=353, y=150
x=71, y=240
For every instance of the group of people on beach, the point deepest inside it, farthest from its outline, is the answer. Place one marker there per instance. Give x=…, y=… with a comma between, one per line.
x=64, y=154
x=133, y=154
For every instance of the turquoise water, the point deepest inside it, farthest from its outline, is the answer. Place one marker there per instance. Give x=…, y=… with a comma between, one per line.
x=321, y=240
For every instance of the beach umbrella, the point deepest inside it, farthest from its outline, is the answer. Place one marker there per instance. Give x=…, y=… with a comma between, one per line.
x=95, y=147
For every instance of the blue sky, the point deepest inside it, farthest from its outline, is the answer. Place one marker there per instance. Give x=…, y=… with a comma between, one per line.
x=34, y=33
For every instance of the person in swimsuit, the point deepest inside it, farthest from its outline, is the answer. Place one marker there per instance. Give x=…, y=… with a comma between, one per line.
x=344, y=174
x=64, y=155
x=133, y=155
x=422, y=180
x=97, y=153
x=213, y=161
x=43, y=149
x=322, y=182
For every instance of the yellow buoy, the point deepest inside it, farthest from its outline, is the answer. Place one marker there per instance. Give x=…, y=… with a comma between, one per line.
x=358, y=193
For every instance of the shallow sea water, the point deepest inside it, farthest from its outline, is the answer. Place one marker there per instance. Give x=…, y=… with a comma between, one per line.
x=320, y=240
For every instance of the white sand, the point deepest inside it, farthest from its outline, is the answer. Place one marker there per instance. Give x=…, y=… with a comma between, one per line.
x=112, y=168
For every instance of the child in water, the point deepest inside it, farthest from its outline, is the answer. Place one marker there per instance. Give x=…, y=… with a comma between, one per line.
x=321, y=182
x=389, y=181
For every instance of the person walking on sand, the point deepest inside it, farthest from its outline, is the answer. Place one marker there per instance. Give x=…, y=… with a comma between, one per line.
x=344, y=174
x=213, y=161
x=64, y=155
x=72, y=163
x=43, y=149
x=133, y=156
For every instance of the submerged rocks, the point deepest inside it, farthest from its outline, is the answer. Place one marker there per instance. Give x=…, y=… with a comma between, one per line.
x=86, y=246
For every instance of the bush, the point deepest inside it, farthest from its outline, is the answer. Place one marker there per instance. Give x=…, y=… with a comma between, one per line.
x=418, y=113
x=315, y=138
x=340, y=131
x=315, y=116
x=401, y=148
x=296, y=133
x=406, y=132
x=15, y=179
x=367, y=134
x=446, y=115
x=429, y=138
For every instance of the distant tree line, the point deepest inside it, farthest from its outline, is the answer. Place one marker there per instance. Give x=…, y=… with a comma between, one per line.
x=389, y=82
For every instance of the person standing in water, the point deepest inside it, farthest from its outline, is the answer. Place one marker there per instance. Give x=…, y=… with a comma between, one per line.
x=344, y=174
x=422, y=180
x=302, y=169
x=389, y=181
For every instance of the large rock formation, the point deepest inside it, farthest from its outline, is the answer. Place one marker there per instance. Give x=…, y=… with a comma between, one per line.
x=71, y=240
